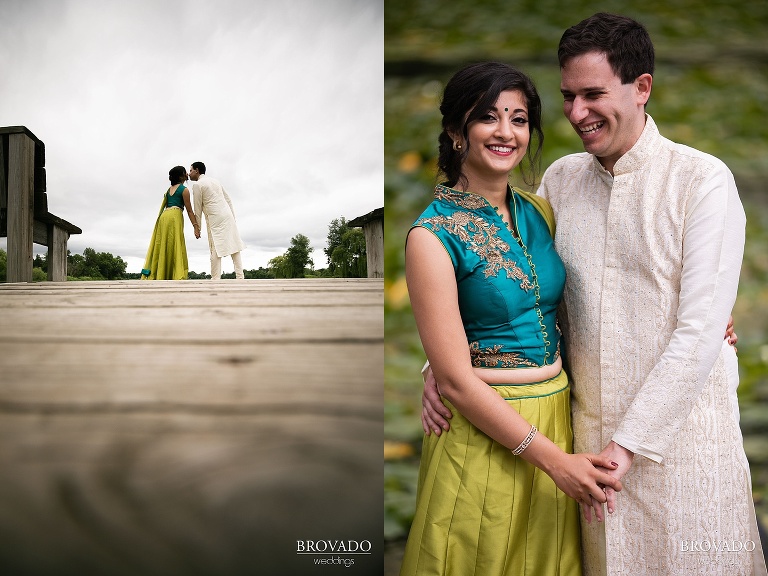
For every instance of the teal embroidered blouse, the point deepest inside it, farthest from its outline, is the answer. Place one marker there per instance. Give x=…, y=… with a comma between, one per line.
x=508, y=289
x=177, y=198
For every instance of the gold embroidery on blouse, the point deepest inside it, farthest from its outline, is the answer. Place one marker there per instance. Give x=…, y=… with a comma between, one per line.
x=468, y=201
x=481, y=238
x=490, y=357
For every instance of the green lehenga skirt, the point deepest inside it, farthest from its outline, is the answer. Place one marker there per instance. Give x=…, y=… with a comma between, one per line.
x=167, y=254
x=481, y=510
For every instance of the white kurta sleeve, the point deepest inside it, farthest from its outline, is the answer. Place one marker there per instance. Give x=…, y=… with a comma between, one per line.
x=713, y=247
x=197, y=198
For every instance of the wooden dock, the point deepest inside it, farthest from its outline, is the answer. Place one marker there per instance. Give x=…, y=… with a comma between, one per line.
x=189, y=427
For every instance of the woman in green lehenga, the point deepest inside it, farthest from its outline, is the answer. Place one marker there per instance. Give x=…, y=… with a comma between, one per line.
x=497, y=494
x=167, y=254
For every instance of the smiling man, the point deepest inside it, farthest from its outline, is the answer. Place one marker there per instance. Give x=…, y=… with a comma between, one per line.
x=652, y=236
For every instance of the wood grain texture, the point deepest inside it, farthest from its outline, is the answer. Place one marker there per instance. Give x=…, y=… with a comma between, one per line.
x=21, y=162
x=189, y=427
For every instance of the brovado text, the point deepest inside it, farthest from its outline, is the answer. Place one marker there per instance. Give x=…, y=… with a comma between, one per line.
x=333, y=546
x=716, y=546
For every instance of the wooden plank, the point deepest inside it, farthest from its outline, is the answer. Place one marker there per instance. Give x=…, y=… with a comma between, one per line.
x=252, y=324
x=21, y=159
x=243, y=377
x=175, y=431
x=190, y=293
x=293, y=285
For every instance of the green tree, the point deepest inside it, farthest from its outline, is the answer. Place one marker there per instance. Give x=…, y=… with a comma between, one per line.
x=198, y=275
x=3, y=265
x=336, y=230
x=75, y=265
x=348, y=257
x=278, y=266
x=298, y=256
x=41, y=261
x=92, y=270
x=260, y=273
x=96, y=265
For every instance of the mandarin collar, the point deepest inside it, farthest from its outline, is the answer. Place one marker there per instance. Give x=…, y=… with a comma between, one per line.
x=641, y=152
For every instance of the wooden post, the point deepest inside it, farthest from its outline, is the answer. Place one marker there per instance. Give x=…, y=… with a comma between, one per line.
x=373, y=228
x=374, y=244
x=3, y=192
x=57, y=253
x=21, y=175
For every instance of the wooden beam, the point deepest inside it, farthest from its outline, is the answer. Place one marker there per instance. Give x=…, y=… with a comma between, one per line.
x=21, y=176
x=40, y=233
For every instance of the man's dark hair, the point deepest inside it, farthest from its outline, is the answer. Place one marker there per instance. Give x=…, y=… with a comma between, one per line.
x=199, y=166
x=623, y=40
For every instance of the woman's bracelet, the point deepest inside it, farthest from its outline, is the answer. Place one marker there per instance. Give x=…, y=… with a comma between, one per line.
x=524, y=444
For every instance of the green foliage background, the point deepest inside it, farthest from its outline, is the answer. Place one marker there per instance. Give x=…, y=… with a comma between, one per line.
x=710, y=92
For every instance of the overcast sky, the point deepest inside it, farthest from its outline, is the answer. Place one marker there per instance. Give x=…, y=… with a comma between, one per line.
x=283, y=101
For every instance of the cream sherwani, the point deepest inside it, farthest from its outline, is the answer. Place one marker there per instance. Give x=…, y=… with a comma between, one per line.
x=211, y=199
x=653, y=255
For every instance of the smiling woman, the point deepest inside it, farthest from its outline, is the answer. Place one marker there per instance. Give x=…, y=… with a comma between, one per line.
x=497, y=142
x=497, y=494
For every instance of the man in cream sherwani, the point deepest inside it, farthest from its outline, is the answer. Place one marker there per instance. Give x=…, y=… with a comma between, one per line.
x=211, y=199
x=652, y=237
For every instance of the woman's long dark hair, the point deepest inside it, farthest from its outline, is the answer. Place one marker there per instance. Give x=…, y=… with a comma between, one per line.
x=469, y=94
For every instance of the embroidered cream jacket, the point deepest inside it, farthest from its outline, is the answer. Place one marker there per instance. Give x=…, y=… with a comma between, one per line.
x=652, y=257
x=211, y=199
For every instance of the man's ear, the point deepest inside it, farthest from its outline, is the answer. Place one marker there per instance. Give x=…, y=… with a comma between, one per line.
x=643, y=85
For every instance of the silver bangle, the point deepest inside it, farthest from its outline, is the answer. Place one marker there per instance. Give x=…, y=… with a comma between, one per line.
x=524, y=444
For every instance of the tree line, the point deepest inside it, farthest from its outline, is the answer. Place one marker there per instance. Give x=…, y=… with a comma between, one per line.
x=345, y=255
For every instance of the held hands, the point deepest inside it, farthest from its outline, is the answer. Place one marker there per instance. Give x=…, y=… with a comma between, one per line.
x=619, y=462
x=197, y=231
x=586, y=478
